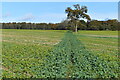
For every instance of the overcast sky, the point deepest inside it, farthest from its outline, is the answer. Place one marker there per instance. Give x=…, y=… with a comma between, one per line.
x=54, y=12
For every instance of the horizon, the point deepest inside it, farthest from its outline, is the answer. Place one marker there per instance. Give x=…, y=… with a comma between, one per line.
x=54, y=12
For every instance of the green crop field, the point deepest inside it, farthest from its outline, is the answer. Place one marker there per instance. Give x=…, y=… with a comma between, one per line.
x=59, y=54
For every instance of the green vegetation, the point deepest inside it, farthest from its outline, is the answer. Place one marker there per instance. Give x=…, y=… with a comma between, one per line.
x=24, y=50
x=60, y=54
x=66, y=25
x=70, y=59
x=75, y=14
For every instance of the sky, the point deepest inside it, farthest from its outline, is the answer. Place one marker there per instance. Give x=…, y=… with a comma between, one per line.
x=54, y=12
x=60, y=0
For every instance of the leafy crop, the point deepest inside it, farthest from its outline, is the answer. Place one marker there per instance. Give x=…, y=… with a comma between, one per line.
x=23, y=51
x=70, y=59
x=25, y=56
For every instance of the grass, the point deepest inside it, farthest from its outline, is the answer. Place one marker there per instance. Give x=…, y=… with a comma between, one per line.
x=32, y=36
x=106, y=33
x=24, y=51
x=102, y=46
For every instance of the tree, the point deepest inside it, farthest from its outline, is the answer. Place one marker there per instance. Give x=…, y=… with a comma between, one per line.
x=75, y=14
x=95, y=25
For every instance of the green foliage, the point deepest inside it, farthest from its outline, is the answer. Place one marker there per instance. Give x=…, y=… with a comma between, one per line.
x=23, y=58
x=20, y=60
x=70, y=59
x=66, y=25
x=23, y=51
x=75, y=14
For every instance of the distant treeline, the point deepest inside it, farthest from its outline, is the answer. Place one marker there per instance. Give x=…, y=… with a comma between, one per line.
x=65, y=25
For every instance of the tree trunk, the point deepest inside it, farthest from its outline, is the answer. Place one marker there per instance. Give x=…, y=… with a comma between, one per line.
x=76, y=28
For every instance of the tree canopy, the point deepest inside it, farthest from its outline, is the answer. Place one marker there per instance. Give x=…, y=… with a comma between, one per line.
x=79, y=12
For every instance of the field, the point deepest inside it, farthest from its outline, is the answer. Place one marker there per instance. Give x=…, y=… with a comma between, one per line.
x=60, y=54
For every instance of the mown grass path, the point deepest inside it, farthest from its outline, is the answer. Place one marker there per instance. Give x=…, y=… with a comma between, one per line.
x=70, y=59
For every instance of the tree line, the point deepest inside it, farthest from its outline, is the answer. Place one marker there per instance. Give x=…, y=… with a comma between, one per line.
x=65, y=25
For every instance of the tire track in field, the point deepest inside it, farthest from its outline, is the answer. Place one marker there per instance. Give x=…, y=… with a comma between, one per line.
x=70, y=59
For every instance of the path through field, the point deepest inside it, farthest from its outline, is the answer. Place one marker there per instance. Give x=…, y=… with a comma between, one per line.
x=59, y=54
x=70, y=59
